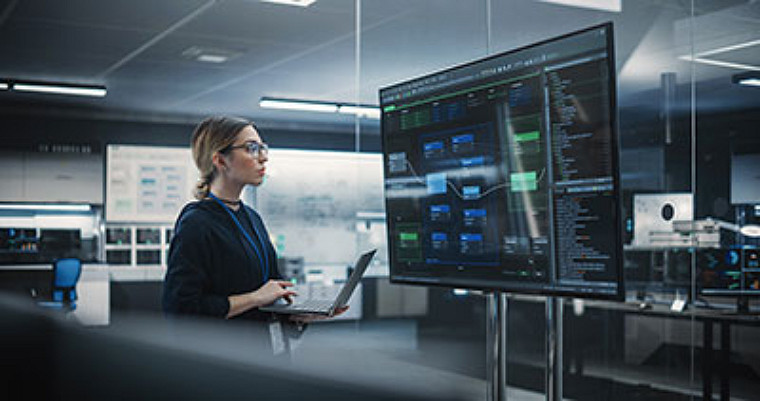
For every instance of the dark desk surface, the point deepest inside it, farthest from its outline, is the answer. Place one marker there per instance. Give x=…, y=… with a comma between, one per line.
x=660, y=309
x=663, y=310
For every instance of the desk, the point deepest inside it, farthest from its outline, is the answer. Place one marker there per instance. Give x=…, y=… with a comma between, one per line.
x=708, y=318
x=93, y=289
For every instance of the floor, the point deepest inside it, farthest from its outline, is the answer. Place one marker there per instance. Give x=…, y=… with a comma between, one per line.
x=391, y=352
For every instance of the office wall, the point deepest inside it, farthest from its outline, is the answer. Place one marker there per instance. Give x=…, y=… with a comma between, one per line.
x=60, y=158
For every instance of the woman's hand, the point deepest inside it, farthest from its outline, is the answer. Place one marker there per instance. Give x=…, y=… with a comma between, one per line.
x=272, y=291
x=265, y=295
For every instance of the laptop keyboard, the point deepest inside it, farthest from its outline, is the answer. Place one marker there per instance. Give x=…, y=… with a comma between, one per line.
x=312, y=305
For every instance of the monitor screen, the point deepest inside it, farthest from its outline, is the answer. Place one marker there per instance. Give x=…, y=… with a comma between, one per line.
x=147, y=184
x=729, y=271
x=60, y=243
x=148, y=236
x=503, y=173
x=119, y=236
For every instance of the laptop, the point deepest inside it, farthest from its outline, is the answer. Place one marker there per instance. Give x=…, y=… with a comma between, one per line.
x=326, y=307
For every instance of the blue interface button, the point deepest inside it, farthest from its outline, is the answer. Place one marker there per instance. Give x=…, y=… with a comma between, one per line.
x=471, y=237
x=471, y=192
x=460, y=139
x=436, y=183
x=472, y=161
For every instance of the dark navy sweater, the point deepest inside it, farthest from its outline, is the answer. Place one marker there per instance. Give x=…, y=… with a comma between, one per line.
x=210, y=259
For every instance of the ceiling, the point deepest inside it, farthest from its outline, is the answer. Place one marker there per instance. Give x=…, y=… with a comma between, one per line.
x=139, y=49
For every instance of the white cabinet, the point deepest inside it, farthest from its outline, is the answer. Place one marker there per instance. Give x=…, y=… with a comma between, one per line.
x=51, y=177
x=12, y=166
x=64, y=177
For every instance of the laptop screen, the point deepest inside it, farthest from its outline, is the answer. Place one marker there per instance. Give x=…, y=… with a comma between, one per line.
x=354, y=279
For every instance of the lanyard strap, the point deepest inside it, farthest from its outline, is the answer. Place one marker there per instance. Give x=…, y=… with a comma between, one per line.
x=265, y=260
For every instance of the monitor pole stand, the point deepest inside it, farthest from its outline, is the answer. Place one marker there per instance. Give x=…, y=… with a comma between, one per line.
x=496, y=346
x=742, y=304
x=554, y=312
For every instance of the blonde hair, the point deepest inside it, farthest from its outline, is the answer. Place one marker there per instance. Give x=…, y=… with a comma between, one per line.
x=212, y=135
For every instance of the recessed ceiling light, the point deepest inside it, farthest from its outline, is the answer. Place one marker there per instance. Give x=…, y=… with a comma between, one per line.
x=750, y=82
x=212, y=58
x=748, y=79
x=209, y=55
x=297, y=3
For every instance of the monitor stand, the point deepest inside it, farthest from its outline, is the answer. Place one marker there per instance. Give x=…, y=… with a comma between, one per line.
x=496, y=346
x=742, y=305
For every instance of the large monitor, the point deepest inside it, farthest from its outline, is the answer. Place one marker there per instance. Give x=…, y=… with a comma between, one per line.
x=502, y=174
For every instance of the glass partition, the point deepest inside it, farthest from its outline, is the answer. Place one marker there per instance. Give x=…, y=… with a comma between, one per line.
x=724, y=113
x=638, y=349
x=688, y=154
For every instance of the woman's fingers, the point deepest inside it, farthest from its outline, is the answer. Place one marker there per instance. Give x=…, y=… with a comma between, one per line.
x=340, y=310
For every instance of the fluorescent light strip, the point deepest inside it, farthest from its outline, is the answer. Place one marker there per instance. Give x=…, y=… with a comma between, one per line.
x=720, y=63
x=297, y=3
x=603, y=5
x=3, y=86
x=296, y=105
x=752, y=231
x=750, y=81
x=363, y=111
x=323, y=107
x=58, y=89
x=58, y=208
x=729, y=48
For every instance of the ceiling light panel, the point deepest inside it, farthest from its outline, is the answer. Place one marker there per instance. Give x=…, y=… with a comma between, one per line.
x=297, y=3
x=750, y=82
x=362, y=111
x=60, y=89
x=47, y=207
x=602, y=5
x=210, y=55
x=747, y=79
x=287, y=104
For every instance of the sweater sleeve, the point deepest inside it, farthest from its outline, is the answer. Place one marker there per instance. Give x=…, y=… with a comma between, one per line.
x=186, y=282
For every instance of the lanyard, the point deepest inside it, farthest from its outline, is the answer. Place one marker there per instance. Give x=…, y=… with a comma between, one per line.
x=265, y=268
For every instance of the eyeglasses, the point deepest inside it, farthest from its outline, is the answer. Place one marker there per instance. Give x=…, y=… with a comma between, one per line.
x=254, y=148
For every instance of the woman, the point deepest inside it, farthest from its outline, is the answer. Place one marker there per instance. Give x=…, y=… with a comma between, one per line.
x=221, y=262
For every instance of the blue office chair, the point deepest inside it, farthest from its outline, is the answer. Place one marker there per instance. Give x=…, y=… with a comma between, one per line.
x=66, y=274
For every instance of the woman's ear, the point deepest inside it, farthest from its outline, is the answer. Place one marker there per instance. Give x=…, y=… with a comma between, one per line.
x=219, y=161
